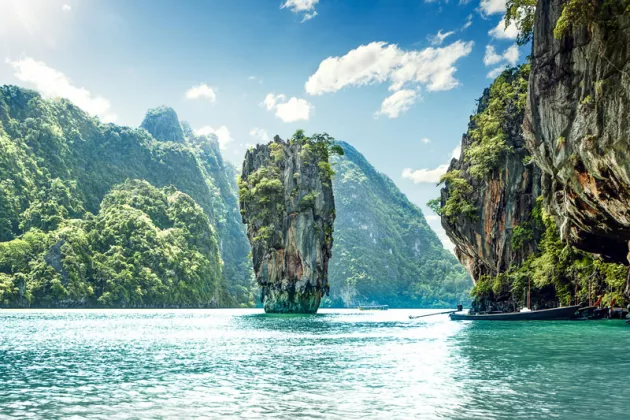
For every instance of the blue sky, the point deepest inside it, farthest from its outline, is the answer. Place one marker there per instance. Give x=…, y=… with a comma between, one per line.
x=398, y=79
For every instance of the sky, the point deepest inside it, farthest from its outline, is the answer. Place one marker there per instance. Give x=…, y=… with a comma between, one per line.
x=397, y=79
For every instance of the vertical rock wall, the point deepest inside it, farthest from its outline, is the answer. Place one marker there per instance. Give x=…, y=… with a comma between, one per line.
x=577, y=125
x=287, y=202
x=503, y=199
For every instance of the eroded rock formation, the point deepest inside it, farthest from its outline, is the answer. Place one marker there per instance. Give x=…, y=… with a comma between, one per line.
x=287, y=202
x=503, y=198
x=577, y=125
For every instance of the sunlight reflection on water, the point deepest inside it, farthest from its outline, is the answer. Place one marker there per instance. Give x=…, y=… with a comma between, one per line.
x=337, y=364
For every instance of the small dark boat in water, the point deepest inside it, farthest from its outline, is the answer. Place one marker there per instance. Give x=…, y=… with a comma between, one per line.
x=564, y=313
x=373, y=308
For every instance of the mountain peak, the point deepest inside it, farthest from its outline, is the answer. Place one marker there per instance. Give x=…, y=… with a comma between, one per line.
x=163, y=124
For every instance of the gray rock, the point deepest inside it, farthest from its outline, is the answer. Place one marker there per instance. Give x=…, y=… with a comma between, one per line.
x=577, y=127
x=289, y=214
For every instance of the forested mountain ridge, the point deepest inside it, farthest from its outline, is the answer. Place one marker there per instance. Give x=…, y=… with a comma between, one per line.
x=384, y=250
x=95, y=214
x=56, y=167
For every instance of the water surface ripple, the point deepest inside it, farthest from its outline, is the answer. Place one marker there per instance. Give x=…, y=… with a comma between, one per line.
x=122, y=364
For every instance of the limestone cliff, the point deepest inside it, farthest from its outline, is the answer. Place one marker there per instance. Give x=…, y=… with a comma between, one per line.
x=577, y=122
x=287, y=202
x=500, y=196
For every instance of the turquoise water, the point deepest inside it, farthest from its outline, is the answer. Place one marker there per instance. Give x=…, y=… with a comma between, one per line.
x=337, y=364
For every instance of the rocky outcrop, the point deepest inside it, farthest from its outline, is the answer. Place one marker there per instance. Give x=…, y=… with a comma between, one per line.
x=577, y=125
x=487, y=241
x=162, y=123
x=286, y=200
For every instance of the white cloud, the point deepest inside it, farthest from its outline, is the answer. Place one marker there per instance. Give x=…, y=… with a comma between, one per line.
x=457, y=152
x=510, y=56
x=491, y=56
x=66, y=8
x=491, y=7
x=425, y=176
x=222, y=134
x=397, y=103
x=307, y=7
x=291, y=110
x=259, y=133
x=494, y=73
x=430, y=176
x=468, y=22
x=52, y=83
x=202, y=91
x=439, y=38
x=379, y=62
x=501, y=32
x=425, y=140
x=255, y=79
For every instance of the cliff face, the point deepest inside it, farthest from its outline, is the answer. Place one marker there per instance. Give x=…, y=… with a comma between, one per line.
x=577, y=125
x=496, y=233
x=385, y=252
x=287, y=202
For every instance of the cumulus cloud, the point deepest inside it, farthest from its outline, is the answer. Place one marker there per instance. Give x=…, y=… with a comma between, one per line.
x=509, y=57
x=379, y=62
x=430, y=176
x=66, y=8
x=288, y=110
x=501, y=32
x=222, y=134
x=397, y=103
x=439, y=38
x=425, y=140
x=494, y=73
x=52, y=83
x=491, y=56
x=425, y=176
x=491, y=7
x=304, y=7
x=259, y=133
x=202, y=91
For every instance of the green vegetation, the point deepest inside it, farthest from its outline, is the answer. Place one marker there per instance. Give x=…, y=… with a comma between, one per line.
x=521, y=13
x=145, y=247
x=263, y=191
x=575, y=13
x=384, y=251
x=501, y=107
x=57, y=166
x=558, y=272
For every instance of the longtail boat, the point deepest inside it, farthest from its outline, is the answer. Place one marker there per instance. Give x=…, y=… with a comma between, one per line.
x=563, y=313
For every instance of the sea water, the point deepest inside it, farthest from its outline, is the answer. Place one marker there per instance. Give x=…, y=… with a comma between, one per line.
x=121, y=364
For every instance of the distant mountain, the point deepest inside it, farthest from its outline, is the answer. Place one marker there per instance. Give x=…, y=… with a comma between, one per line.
x=57, y=164
x=384, y=251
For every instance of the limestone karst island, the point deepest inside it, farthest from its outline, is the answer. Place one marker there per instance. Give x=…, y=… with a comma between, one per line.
x=315, y=209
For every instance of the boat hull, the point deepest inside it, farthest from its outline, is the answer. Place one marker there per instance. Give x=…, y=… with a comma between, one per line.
x=554, y=314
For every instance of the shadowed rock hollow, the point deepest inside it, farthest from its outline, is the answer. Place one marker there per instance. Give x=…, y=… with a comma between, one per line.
x=287, y=202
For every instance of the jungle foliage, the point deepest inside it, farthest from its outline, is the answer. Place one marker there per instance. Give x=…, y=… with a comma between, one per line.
x=58, y=170
x=384, y=250
x=558, y=273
